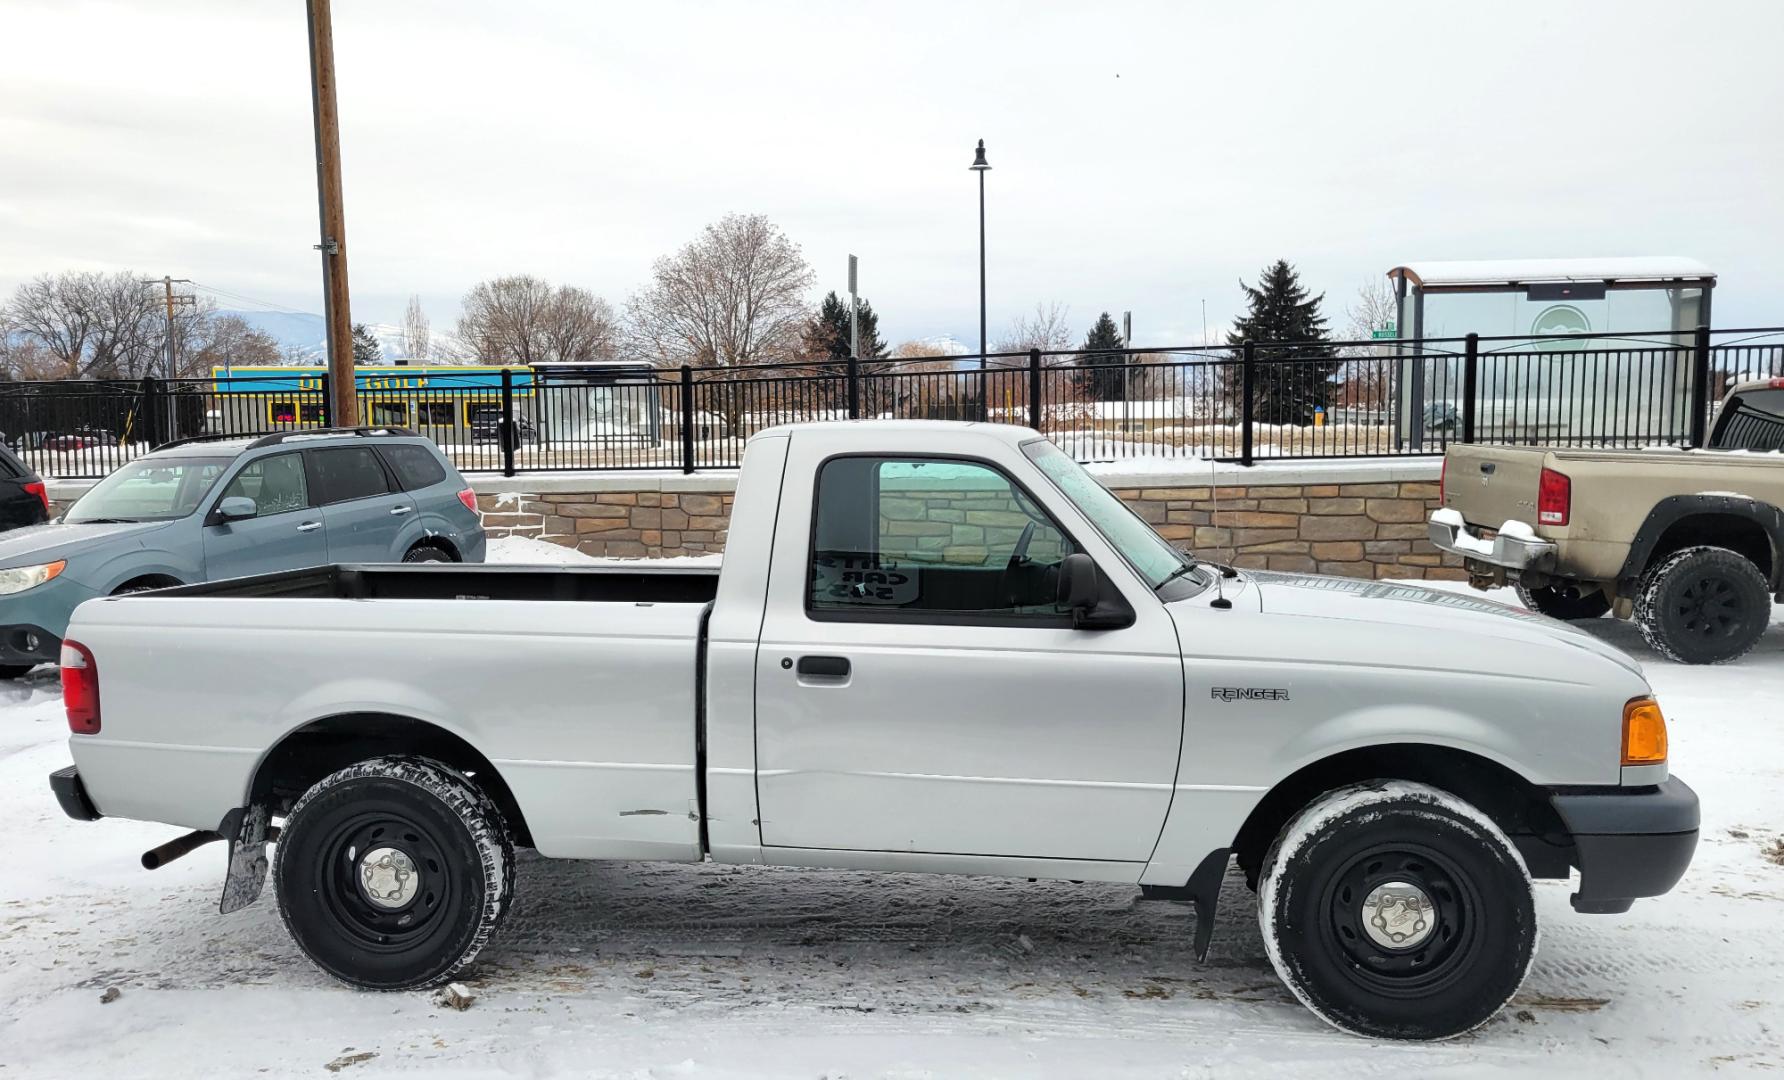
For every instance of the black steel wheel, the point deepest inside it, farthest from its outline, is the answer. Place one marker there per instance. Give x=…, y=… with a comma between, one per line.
x=1565, y=601
x=1704, y=605
x=393, y=873
x=1395, y=910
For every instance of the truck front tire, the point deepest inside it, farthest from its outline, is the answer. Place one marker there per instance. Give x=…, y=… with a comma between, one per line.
x=1394, y=910
x=1703, y=605
x=392, y=874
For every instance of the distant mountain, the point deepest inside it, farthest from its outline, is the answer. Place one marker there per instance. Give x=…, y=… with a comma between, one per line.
x=306, y=333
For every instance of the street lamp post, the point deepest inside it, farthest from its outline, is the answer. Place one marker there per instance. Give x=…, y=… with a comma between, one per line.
x=981, y=166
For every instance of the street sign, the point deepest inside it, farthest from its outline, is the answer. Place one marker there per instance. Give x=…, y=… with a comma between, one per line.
x=1388, y=332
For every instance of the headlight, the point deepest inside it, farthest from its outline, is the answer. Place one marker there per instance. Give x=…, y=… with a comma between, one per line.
x=19, y=578
x=1644, y=732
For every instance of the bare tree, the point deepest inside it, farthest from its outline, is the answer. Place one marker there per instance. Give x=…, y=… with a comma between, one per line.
x=1368, y=369
x=227, y=341
x=522, y=319
x=93, y=324
x=1047, y=329
x=417, y=337
x=581, y=327
x=734, y=296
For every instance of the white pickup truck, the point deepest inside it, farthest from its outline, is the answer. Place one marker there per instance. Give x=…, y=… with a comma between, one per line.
x=933, y=647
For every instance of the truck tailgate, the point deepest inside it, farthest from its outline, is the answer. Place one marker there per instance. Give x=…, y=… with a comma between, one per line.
x=1490, y=485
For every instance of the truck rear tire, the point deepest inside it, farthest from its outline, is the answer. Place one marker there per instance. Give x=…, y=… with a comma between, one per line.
x=1703, y=605
x=393, y=874
x=1564, y=602
x=1394, y=910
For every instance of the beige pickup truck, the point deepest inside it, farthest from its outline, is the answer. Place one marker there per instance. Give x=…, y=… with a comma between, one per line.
x=1690, y=543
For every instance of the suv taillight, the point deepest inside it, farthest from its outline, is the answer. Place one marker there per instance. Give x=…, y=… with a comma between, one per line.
x=1554, y=496
x=469, y=497
x=42, y=491
x=80, y=688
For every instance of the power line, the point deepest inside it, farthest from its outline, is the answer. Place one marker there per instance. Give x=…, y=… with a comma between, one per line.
x=246, y=299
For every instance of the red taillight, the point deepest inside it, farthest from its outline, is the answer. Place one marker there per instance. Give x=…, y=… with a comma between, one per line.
x=80, y=688
x=1777, y=384
x=469, y=497
x=1442, y=478
x=1554, y=496
x=39, y=489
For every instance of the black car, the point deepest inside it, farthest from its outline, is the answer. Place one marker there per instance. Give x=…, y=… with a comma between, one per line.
x=23, y=498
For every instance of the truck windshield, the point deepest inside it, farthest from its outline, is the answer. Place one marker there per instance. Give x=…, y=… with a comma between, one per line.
x=1751, y=421
x=152, y=489
x=1151, y=556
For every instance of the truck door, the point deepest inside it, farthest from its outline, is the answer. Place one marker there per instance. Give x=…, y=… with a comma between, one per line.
x=918, y=689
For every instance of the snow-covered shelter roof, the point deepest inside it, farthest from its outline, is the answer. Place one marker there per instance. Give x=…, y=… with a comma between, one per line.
x=1517, y=273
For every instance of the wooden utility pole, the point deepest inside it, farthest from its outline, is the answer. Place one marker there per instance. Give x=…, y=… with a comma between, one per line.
x=343, y=400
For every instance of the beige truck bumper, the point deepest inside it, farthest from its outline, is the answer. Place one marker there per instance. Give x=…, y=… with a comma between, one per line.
x=1512, y=548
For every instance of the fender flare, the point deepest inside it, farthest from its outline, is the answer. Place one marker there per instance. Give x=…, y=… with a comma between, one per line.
x=1676, y=508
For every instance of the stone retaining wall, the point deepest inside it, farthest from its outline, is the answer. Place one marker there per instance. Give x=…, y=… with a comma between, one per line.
x=1363, y=519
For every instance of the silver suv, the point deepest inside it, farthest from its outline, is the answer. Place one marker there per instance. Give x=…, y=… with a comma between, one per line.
x=206, y=509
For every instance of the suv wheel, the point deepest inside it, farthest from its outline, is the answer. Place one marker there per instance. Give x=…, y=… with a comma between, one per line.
x=392, y=874
x=1565, y=601
x=1703, y=605
x=1394, y=910
x=426, y=553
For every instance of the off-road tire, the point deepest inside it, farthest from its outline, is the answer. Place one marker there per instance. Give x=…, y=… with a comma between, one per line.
x=1703, y=605
x=1456, y=971
x=427, y=553
x=1564, y=602
x=450, y=832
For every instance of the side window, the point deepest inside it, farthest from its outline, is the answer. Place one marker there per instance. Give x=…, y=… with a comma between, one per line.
x=414, y=466
x=931, y=540
x=351, y=472
x=276, y=484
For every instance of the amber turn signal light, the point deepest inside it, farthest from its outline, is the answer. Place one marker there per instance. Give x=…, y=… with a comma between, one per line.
x=1644, y=732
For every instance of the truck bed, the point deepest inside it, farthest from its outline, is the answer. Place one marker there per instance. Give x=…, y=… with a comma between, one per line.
x=454, y=581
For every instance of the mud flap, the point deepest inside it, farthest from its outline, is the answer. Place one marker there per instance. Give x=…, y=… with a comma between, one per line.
x=1202, y=891
x=247, y=859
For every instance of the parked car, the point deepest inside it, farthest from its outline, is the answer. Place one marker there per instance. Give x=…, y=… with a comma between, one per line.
x=1686, y=542
x=24, y=500
x=204, y=510
x=932, y=647
x=486, y=428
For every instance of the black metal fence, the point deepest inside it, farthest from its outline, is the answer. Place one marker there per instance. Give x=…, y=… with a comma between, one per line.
x=1245, y=403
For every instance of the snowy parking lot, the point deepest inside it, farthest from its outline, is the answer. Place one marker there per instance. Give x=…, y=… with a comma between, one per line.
x=636, y=970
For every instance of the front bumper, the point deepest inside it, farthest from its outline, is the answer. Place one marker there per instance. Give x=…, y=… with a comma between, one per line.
x=1628, y=842
x=72, y=794
x=25, y=643
x=1510, y=551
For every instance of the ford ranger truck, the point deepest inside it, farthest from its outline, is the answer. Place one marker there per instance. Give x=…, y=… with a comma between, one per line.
x=933, y=647
x=1686, y=542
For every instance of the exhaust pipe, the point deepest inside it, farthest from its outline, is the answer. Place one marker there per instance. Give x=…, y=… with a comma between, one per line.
x=155, y=858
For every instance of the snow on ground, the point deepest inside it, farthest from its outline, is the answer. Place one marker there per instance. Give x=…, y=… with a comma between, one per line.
x=639, y=970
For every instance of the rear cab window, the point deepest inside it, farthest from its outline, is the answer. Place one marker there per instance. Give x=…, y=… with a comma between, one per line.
x=341, y=474
x=415, y=466
x=1753, y=420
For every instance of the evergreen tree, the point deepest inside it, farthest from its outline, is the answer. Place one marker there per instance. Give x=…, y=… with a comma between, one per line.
x=366, y=349
x=1106, y=376
x=827, y=334
x=1294, y=365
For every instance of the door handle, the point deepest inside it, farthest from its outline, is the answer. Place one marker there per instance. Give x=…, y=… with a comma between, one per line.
x=824, y=667
x=401, y=509
x=309, y=526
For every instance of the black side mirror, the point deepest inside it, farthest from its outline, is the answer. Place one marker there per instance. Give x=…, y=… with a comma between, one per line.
x=1093, y=604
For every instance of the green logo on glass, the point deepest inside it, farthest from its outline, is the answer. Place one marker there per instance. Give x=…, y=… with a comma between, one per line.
x=1560, y=319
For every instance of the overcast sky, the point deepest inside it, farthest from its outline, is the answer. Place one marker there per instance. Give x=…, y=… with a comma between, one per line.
x=1145, y=156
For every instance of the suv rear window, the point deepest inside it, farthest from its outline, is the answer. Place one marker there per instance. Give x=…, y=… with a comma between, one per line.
x=350, y=472
x=415, y=466
x=1751, y=421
